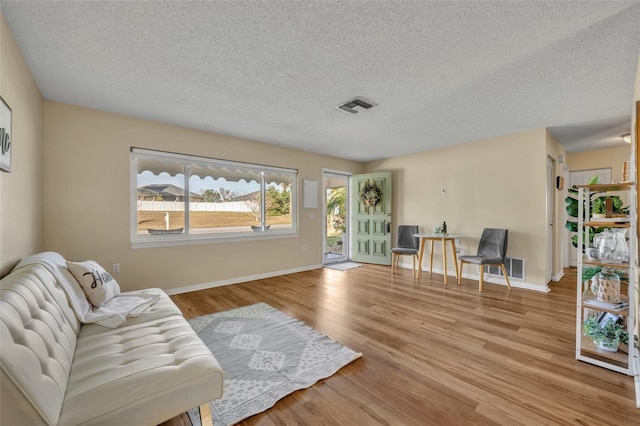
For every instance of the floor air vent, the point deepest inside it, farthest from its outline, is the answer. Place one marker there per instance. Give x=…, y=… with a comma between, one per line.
x=514, y=267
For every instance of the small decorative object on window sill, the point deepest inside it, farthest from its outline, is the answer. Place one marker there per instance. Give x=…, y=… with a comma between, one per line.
x=370, y=195
x=165, y=231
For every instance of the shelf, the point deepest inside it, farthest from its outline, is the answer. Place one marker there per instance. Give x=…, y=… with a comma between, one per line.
x=607, y=224
x=600, y=187
x=595, y=304
x=587, y=302
x=588, y=348
x=622, y=265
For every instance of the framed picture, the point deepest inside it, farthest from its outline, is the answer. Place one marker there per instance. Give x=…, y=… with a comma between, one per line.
x=607, y=317
x=5, y=136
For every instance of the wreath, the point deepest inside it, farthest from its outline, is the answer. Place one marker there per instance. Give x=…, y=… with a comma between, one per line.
x=370, y=194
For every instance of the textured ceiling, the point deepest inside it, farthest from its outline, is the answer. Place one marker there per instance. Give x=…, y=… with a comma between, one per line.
x=441, y=73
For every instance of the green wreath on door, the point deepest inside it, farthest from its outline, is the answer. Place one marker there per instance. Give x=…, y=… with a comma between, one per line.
x=370, y=194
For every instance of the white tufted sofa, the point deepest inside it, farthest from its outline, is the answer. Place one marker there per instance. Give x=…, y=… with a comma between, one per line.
x=55, y=370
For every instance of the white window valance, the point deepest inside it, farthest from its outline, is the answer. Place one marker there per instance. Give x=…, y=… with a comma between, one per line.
x=158, y=162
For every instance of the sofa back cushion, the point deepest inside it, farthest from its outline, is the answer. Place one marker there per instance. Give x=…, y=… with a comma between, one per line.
x=38, y=335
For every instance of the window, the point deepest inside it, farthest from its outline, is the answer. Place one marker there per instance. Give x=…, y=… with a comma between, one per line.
x=178, y=199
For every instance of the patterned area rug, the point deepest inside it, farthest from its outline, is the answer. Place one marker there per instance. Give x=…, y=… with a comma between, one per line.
x=265, y=355
x=344, y=266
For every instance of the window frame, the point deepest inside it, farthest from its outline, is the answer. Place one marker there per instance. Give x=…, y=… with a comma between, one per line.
x=186, y=238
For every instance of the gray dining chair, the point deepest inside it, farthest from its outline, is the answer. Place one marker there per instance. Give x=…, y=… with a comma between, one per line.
x=406, y=245
x=492, y=249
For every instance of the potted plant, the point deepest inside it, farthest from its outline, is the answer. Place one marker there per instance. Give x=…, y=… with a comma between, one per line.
x=607, y=335
x=599, y=206
x=572, y=222
x=598, y=209
x=588, y=272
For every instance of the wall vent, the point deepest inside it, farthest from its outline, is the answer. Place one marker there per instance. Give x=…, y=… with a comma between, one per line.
x=356, y=105
x=514, y=267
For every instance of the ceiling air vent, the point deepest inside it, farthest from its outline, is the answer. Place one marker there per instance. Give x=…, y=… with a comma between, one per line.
x=356, y=105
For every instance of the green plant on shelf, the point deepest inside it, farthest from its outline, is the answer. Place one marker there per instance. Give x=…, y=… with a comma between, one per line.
x=607, y=335
x=588, y=272
x=572, y=222
x=598, y=206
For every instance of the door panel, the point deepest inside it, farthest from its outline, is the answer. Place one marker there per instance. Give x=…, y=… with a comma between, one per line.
x=372, y=236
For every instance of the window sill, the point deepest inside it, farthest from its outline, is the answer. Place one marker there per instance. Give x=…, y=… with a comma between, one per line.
x=185, y=240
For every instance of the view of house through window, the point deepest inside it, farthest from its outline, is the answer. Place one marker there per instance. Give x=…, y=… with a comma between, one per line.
x=186, y=197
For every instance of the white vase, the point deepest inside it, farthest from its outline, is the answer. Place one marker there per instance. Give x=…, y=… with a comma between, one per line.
x=609, y=345
x=621, y=249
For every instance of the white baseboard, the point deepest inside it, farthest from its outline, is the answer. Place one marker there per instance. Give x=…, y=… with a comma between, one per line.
x=558, y=276
x=238, y=280
x=489, y=279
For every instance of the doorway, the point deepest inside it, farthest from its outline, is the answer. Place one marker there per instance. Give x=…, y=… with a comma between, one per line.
x=582, y=177
x=335, y=228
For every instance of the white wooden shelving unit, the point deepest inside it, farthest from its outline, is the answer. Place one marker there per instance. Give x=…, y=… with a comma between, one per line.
x=623, y=360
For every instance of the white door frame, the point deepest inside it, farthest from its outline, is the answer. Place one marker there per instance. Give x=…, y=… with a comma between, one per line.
x=550, y=216
x=566, y=235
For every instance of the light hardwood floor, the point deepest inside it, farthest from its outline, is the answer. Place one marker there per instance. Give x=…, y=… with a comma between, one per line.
x=434, y=355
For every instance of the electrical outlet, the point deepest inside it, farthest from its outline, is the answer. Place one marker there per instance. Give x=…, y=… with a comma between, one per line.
x=116, y=268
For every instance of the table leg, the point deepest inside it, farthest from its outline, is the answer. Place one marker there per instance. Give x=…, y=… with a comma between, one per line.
x=422, y=243
x=444, y=259
x=455, y=259
x=431, y=259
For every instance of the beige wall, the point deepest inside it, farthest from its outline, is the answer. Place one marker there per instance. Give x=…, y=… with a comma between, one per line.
x=599, y=159
x=21, y=190
x=87, y=202
x=612, y=158
x=497, y=183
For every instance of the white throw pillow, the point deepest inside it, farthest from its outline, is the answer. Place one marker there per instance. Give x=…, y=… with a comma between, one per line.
x=98, y=285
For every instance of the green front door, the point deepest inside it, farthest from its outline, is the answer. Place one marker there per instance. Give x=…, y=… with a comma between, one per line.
x=371, y=218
